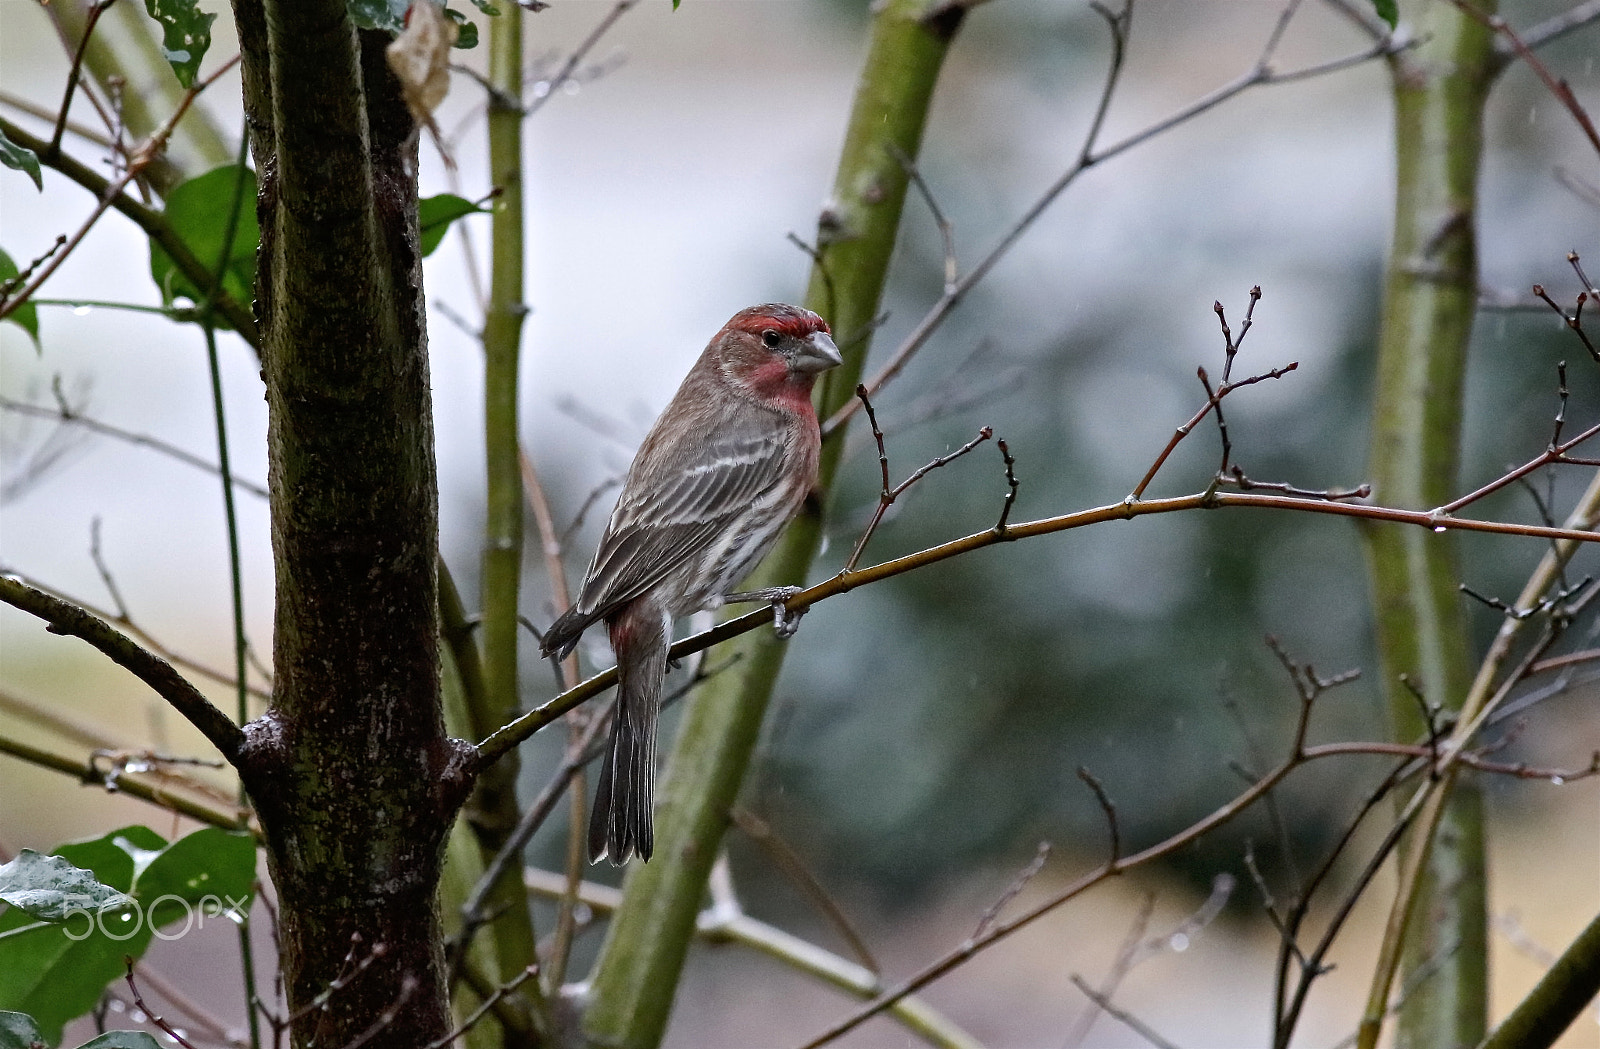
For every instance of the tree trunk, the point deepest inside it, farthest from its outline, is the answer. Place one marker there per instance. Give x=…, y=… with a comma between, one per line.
x=355, y=782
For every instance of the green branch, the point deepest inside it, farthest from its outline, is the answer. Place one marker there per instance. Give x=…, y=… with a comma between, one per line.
x=1556, y=1000
x=637, y=975
x=69, y=619
x=151, y=221
x=1430, y=298
x=493, y=810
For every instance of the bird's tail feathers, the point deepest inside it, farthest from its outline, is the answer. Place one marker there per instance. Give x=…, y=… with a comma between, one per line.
x=562, y=637
x=622, y=823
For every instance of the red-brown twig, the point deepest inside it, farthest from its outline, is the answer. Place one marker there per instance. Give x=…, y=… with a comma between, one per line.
x=887, y=495
x=150, y=1014
x=1212, y=401
x=1556, y=453
x=510, y=735
x=1261, y=73
x=1557, y=87
x=147, y=155
x=96, y=9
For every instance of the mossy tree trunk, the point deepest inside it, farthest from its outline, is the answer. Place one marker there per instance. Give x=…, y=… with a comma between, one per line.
x=355, y=782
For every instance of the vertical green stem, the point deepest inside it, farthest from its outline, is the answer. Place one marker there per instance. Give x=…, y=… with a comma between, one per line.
x=637, y=974
x=241, y=644
x=1430, y=297
x=494, y=808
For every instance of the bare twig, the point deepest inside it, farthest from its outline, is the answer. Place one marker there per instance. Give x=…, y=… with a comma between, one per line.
x=947, y=233
x=1109, y=809
x=791, y=864
x=510, y=735
x=1119, y=969
x=1558, y=88
x=70, y=416
x=1020, y=882
x=588, y=504
x=888, y=495
x=488, y=1004
x=1213, y=400
x=147, y=154
x=96, y=9
x=1011, y=487
x=150, y=1014
x=1122, y=1016
x=1261, y=73
x=620, y=8
x=159, y=795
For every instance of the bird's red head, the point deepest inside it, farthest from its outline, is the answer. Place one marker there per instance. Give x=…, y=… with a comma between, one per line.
x=776, y=351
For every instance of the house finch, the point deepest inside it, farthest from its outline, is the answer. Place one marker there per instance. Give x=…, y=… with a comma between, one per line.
x=725, y=467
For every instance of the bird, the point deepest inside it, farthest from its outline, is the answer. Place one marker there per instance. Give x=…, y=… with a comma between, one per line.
x=726, y=466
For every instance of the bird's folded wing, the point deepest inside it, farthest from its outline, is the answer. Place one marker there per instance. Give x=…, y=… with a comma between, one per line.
x=671, y=511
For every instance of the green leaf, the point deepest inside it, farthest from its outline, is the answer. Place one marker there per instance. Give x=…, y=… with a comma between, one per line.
x=205, y=875
x=19, y=1031
x=122, y=1040
x=185, y=35
x=197, y=210
x=466, y=32
x=25, y=316
x=53, y=890
x=434, y=215
x=1388, y=10
x=487, y=8
x=15, y=156
x=388, y=15
x=57, y=972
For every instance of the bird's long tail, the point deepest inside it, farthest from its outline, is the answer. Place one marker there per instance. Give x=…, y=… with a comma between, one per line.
x=621, y=823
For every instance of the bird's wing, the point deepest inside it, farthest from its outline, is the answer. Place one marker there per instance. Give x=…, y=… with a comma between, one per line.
x=675, y=505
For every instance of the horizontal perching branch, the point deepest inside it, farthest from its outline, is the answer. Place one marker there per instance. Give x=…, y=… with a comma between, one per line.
x=68, y=619
x=509, y=736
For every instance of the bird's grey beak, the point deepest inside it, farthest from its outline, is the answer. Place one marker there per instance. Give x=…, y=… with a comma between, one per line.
x=816, y=354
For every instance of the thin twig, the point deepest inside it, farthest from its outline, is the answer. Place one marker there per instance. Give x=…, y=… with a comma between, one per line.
x=790, y=863
x=489, y=1003
x=1110, y=811
x=1020, y=882
x=1011, y=487
x=947, y=233
x=1261, y=73
x=564, y=74
x=1213, y=400
x=149, y=1013
x=508, y=736
x=888, y=495
x=144, y=158
x=1122, y=1016
x=96, y=9
x=1558, y=89
x=148, y=640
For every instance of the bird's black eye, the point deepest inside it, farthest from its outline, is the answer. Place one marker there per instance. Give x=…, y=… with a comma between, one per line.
x=771, y=338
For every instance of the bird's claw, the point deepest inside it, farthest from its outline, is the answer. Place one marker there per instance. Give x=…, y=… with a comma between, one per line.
x=784, y=621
